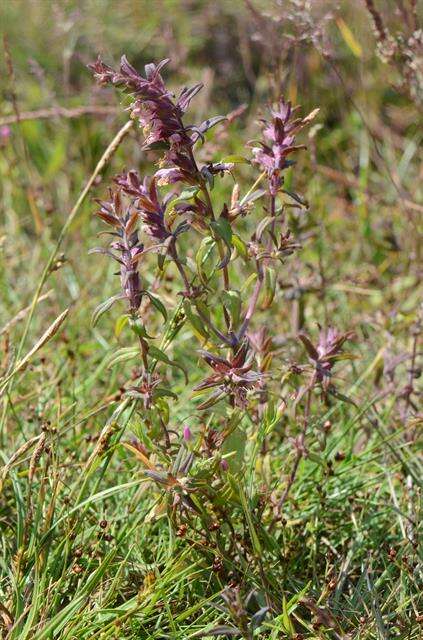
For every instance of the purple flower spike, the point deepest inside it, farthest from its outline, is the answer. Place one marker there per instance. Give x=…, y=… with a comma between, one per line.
x=153, y=105
x=147, y=203
x=126, y=249
x=279, y=142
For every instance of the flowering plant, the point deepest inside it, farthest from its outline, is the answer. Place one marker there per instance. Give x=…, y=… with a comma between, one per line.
x=206, y=246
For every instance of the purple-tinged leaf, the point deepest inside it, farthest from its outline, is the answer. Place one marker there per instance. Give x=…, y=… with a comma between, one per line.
x=258, y=618
x=211, y=400
x=210, y=122
x=187, y=94
x=310, y=348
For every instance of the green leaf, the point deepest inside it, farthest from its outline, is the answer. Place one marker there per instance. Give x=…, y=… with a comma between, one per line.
x=122, y=355
x=232, y=301
x=202, y=308
x=160, y=355
x=163, y=406
x=289, y=627
x=202, y=257
x=155, y=300
x=253, y=533
x=269, y=287
x=103, y=307
x=251, y=278
x=195, y=321
x=240, y=245
x=187, y=194
x=139, y=329
x=223, y=229
x=120, y=324
x=235, y=443
x=163, y=392
x=236, y=159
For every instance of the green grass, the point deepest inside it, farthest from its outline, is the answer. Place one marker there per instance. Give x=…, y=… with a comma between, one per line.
x=90, y=546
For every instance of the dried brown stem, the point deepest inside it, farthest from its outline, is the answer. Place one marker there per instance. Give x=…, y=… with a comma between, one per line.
x=59, y=112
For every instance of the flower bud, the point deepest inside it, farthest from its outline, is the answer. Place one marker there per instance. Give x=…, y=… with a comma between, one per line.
x=187, y=433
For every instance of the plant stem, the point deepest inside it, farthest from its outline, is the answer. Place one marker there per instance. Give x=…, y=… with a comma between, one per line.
x=300, y=450
x=206, y=194
x=273, y=212
x=253, y=302
x=215, y=330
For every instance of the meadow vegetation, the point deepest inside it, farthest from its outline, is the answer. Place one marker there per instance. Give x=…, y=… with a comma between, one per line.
x=210, y=320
